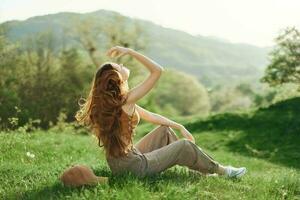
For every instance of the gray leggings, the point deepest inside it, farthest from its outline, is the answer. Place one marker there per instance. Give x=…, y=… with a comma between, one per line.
x=161, y=149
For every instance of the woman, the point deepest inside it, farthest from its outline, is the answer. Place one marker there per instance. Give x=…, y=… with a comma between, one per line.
x=111, y=111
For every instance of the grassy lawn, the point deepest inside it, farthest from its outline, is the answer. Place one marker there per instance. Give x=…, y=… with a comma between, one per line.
x=272, y=160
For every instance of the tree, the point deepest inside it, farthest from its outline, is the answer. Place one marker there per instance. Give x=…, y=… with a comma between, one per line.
x=37, y=85
x=71, y=80
x=9, y=60
x=96, y=35
x=285, y=59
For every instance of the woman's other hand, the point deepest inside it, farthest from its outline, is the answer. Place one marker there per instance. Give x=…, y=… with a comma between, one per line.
x=185, y=133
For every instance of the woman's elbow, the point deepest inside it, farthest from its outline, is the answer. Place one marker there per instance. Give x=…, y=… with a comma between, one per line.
x=161, y=69
x=158, y=71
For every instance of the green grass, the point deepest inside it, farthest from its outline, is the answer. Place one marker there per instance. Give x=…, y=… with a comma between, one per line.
x=266, y=141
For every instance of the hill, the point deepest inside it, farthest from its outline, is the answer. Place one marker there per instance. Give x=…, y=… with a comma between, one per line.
x=271, y=133
x=212, y=60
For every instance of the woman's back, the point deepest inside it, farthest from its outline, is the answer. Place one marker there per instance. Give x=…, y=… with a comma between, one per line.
x=133, y=158
x=128, y=123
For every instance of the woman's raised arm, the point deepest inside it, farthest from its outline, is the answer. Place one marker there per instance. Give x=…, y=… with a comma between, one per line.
x=144, y=87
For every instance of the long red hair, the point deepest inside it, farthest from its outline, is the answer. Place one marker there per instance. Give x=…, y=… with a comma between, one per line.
x=102, y=110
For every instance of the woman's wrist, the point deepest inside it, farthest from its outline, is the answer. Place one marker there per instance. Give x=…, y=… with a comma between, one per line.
x=130, y=51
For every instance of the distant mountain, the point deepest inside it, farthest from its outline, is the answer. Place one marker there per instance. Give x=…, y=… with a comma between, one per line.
x=212, y=60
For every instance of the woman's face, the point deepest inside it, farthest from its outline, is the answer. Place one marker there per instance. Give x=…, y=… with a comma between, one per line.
x=124, y=71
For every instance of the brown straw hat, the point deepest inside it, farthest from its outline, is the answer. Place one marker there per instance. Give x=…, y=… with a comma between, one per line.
x=79, y=175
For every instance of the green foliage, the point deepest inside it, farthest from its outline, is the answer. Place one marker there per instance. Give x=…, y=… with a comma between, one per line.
x=178, y=93
x=243, y=96
x=96, y=36
x=71, y=80
x=9, y=97
x=38, y=81
x=63, y=126
x=229, y=98
x=43, y=80
x=285, y=59
x=45, y=73
x=39, y=86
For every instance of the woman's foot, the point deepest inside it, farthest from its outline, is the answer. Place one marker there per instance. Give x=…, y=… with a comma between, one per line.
x=233, y=172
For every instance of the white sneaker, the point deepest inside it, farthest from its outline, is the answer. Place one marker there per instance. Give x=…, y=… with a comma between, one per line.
x=233, y=172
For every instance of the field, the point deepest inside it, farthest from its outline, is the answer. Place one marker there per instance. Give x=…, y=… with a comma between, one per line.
x=266, y=141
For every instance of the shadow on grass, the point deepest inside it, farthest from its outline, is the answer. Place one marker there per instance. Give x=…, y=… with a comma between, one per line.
x=272, y=133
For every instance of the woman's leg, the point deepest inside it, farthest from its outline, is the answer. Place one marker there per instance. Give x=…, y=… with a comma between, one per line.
x=157, y=138
x=162, y=136
x=184, y=153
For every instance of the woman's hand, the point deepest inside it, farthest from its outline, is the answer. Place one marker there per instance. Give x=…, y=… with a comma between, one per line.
x=185, y=133
x=117, y=51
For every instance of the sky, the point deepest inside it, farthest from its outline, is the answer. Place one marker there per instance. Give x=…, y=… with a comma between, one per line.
x=255, y=22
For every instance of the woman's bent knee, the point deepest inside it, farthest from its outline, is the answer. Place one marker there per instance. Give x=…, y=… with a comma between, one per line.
x=164, y=130
x=183, y=143
x=164, y=127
